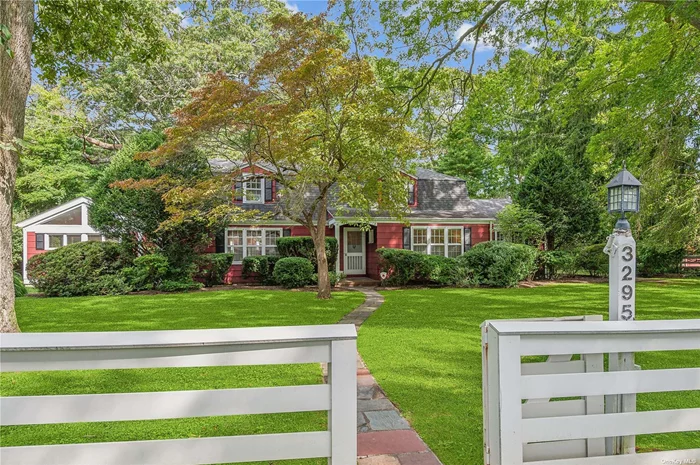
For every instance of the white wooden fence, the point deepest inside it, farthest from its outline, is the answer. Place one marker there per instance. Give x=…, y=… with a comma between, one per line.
x=560, y=432
x=333, y=344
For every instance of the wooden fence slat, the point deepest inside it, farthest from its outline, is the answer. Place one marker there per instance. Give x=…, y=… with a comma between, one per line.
x=562, y=449
x=562, y=408
x=619, y=382
x=602, y=343
x=686, y=456
x=161, y=405
x=548, y=368
x=229, y=449
x=615, y=424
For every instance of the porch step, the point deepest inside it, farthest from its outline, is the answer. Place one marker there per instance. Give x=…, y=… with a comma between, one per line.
x=359, y=281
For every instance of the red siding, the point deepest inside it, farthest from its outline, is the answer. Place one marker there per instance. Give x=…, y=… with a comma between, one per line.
x=390, y=235
x=31, y=246
x=373, y=258
x=480, y=233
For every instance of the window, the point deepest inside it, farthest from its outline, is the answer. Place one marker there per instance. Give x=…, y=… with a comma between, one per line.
x=251, y=242
x=71, y=217
x=73, y=238
x=55, y=241
x=253, y=190
x=94, y=238
x=443, y=241
x=410, y=190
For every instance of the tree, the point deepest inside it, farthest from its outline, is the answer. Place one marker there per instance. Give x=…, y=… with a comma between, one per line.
x=315, y=116
x=554, y=189
x=65, y=39
x=521, y=225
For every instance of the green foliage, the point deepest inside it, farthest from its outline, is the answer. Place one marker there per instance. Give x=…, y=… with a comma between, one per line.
x=555, y=190
x=521, y=225
x=20, y=288
x=593, y=260
x=333, y=277
x=293, y=272
x=303, y=246
x=655, y=259
x=212, y=268
x=556, y=263
x=500, y=264
x=84, y=268
x=406, y=266
x=147, y=272
x=181, y=285
x=261, y=267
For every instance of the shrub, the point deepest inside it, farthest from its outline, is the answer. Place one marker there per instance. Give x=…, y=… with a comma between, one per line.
x=654, y=260
x=332, y=275
x=173, y=285
x=212, y=268
x=406, y=266
x=303, y=246
x=293, y=272
x=20, y=288
x=499, y=264
x=148, y=271
x=556, y=263
x=260, y=267
x=593, y=260
x=84, y=268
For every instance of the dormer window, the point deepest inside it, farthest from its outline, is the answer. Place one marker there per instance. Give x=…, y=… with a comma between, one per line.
x=411, y=192
x=253, y=190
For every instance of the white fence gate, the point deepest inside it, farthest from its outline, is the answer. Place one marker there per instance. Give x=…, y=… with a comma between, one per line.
x=333, y=344
x=571, y=431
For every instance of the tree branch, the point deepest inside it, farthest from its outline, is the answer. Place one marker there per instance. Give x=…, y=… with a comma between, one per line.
x=101, y=144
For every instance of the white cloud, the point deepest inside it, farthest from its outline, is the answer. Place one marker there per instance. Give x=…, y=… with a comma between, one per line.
x=291, y=6
x=469, y=41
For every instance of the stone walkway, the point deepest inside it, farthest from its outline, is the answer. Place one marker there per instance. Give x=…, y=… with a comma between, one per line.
x=384, y=437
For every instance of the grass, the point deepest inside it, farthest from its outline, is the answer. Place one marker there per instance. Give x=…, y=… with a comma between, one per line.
x=424, y=349
x=215, y=309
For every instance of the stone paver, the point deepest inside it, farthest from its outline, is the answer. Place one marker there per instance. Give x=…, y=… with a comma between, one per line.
x=384, y=437
x=379, y=460
x=386, y=420
x=389, y=442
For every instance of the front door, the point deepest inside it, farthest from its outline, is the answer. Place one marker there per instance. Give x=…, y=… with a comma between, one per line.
x=354, y=251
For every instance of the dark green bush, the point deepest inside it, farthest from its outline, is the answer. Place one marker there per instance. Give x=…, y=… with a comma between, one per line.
x=20, y=288
x=332, y=275
x=499, y=264
x=293, y=272
x=183, y=285
x=84, y=268
x=405, y=266
x=593, y=260
x=556, y=263
x=260, y=267
x=654, y=260
x=212, y=268
x=303, y=246
x=147, y=272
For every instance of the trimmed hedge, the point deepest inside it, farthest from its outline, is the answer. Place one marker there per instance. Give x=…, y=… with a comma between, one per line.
x=212, y=268
x=293, y=272
x=593, y=260
x=334, y=278
x=556, y=263
x=84, y=268
x=500, y=264
x=654, y=260
x=406, y=266
x=303, y=246
x=20, y=288
x=147, y=272
x=260, y=267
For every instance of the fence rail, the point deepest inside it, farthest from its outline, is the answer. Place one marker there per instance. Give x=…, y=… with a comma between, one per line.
x=556, y=433
x=333, y=344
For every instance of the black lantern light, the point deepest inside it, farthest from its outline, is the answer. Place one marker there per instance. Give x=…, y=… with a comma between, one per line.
x=623, y=196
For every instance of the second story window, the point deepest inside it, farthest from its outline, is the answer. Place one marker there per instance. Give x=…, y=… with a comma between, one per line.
x=253, y=190
x=411, y=192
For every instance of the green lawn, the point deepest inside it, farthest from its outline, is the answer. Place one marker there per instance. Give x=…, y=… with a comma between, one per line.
x=216, y=309
x=424, y=348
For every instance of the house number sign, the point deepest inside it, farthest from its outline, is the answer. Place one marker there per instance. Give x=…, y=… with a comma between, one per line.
x=623, y=263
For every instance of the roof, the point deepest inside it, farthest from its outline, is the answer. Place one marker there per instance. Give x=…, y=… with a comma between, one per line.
x=625, y=178
x=54, y=211
x=424, y=173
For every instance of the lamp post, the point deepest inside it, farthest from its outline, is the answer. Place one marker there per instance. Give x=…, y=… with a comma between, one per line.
x=623, y=198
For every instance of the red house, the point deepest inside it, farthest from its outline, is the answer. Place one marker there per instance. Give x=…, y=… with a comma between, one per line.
x=443, y=220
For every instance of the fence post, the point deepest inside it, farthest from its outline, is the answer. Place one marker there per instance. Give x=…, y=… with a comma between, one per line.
x=342, y=418
x=511, y=423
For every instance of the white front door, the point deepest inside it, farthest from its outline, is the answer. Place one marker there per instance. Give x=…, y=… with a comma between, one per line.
x=354, y=240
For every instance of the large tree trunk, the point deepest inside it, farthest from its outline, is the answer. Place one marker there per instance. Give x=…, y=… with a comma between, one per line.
x=15, y=80
x=318, y=234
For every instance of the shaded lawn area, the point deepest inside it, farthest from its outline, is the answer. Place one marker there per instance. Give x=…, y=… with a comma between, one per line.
x=424, y=349
x=198, y=310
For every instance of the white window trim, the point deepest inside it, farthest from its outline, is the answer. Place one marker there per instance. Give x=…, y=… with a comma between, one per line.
x=261, y=198
x=264, y=246
x=447, y=242
x=64, y=238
